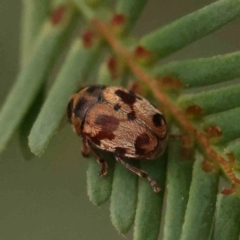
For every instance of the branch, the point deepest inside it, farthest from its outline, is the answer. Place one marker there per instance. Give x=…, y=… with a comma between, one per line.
x=106, y=33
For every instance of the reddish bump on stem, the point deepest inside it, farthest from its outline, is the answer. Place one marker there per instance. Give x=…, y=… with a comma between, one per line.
x=231, y=159
x=118, y=20
x=112, y=67
x=194, y=110
x=170, y=82
x=165, y=101
x=187, y=146
x=87, y=38
x=213, y=132
x=208, y=165
x=141, y=53
x=57, y=15
x=228, y=191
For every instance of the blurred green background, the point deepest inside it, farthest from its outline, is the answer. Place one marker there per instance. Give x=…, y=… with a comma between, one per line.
x=46, y=198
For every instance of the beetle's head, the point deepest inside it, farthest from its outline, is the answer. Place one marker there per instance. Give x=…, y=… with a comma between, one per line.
x=80, y=103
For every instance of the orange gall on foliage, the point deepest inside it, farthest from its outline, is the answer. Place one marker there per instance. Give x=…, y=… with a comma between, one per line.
x=118, y=20
x=231, y=159
x=228, y=191
x=117, y=24
x=193, y=111
x=209, y=165
x=87, y=38
x=187, y=146
x=113, y=67
x=213, y=132
x=142, y=55
x=170, y=83
x=58, y=14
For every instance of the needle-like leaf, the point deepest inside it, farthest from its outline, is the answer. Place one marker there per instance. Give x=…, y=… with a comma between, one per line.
x=31, y=77
x=79, y=62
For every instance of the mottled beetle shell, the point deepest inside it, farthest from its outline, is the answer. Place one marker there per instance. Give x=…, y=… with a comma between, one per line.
x=115, y=119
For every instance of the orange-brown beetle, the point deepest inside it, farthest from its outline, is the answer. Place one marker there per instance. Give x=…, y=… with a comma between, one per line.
x=117, y=120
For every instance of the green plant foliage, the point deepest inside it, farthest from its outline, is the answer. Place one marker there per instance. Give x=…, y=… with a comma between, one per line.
x=234, y=149
x=148, y=214
x=179, y=174
x=201, y=92
x=81, y=4
x=211, y=101
x=211, y=70
x=201, y=203
x=131, y=9
x=188, y=29
x=28, y=121
x=34, y=14
x=79, y=62
x=41, y=62
x=123, y=206
x=227, y=217
x=99, y=188
x=227, y=121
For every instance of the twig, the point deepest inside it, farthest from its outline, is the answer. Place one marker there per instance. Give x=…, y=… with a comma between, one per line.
x=103, y=29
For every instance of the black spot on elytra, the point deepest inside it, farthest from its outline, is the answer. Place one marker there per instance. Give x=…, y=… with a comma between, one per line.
x=157, y=119
x=80, y=108
x=94, y=88
x=117, y=107
x=70, y=109
x=131, y=116
x=141, y=140
x=128, y=98
x=120, y=151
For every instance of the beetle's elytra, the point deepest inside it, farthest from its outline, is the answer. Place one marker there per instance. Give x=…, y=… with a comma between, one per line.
x=117, y=120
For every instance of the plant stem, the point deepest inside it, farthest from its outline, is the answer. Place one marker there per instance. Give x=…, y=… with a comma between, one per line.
x=163, y=98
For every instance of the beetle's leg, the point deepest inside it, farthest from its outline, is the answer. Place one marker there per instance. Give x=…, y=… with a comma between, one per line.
x=100, y=160
x=84, y=150
x=140, y=173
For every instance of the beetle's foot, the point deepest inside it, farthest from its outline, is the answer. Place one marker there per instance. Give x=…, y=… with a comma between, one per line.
x=140, y=173
x=104, y=168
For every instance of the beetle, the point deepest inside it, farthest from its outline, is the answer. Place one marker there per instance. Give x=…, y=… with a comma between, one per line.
x=117, y=120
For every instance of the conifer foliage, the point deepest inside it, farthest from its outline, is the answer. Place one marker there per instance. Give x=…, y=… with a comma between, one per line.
x=198, y=96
